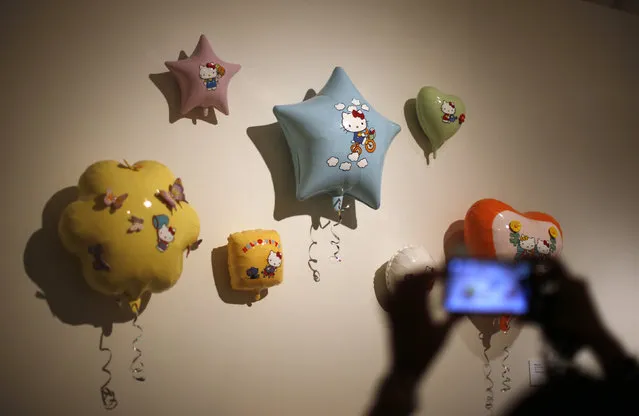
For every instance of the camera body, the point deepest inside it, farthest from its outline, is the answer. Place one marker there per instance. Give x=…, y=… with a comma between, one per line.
x=476, y=286
x=524, y=288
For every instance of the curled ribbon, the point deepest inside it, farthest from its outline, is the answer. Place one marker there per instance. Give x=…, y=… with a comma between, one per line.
x=505, y=379
x=137, y=366
x=335, y=242
x=108, y=396
x=312, y=260
x=490, y=395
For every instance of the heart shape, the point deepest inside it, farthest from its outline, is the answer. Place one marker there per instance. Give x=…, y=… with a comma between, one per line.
x=493, y=229
x=440, y=115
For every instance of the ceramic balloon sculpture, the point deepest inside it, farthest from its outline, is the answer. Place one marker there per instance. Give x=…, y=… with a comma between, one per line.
x=256, y=260
x=203, y=79
x=493, y=229
x=440, y=115
x=130, y=228
x=410, y=260
x=338, y=142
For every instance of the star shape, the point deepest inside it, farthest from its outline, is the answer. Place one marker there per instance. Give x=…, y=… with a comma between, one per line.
x=203, y=79
x=338, y=142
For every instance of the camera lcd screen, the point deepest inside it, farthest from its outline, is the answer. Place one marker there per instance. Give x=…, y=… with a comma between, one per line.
x=490, y=287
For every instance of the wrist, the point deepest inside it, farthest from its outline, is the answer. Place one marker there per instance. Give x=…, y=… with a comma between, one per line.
x=396, y=395
x=604, y=344
x=611, y=354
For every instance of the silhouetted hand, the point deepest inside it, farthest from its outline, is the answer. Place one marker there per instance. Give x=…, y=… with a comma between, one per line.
x=565, y=310
x=416, y=337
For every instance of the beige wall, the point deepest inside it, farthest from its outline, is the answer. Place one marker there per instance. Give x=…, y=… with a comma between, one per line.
x=551, y=90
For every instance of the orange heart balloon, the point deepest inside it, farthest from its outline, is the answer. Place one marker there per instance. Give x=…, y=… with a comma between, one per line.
x=493, y=229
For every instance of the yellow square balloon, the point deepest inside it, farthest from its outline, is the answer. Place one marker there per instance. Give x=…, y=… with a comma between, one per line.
x=255, y=260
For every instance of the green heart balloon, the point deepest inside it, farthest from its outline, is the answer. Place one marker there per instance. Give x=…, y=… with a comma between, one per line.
x=440, y=115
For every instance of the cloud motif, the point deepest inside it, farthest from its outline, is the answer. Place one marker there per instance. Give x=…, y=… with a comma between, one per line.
x=340, y=106
x=332, y=162
x=365, y=107
x=362, y=163
x=351, y=108
x=355, y=101
x=345, y=166
x=353, y=157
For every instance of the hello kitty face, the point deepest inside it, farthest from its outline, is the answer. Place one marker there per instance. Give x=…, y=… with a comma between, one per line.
x=208, y=71
x=526, y=243
x=448, y=107
x=543, y=247
x=274, y=259
x=354, y=122
x=166, y=234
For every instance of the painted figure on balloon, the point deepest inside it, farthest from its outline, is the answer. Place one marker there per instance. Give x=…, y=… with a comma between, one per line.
x=274, y=261
x=253, y=273
x=448, y=108
x=211, y=74
x=526, y=247
x=166, y=233
x=354, y=121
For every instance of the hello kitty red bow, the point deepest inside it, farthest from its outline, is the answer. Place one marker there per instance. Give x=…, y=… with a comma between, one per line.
x=172, y=230
x=279, y=255
x=452, y=104
x=210, y=65
x=358, y=114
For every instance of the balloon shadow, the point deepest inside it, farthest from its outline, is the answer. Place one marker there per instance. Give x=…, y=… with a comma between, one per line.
x=58, y=275
x=222, y=277
x=271, y=143
x=380, y=287
x=410, y=113
x=454, y=244
x=484, y=334
x=168, y=86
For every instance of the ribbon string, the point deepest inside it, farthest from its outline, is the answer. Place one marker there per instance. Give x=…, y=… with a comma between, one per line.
x=312, y=260
x=505, y=371
x=335, y=241
x=490, y=394
x=137, y=366
x=108, y=396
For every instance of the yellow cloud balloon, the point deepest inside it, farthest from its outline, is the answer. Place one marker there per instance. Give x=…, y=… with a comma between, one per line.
x=130, y=227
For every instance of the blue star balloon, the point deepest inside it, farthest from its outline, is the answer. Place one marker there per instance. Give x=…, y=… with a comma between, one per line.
x=338, y=142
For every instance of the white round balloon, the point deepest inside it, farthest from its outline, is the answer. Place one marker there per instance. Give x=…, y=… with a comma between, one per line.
x=409, y=260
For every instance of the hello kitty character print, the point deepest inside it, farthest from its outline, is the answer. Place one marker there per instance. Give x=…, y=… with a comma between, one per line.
x=353, y=121
x=166, y=233
x=448, y=108
x=274, y=260
x=529, y=247
x=211, y=74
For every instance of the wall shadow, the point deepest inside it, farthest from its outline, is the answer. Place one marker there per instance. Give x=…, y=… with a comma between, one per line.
x=222, y=277
x=454, y=244
x=381, y=289
x=58, y=275
x=410, y=114
x=493, y=340
x=168, y=86
x=271, y=143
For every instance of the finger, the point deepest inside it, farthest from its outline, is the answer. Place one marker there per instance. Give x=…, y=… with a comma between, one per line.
x=556, y=269
x=410, y=296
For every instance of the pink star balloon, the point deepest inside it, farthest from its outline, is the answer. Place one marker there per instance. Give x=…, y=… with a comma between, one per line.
x=203, y=79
